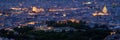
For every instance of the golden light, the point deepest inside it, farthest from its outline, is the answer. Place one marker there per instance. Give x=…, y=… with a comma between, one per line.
x=43, y=28
x=19, y=26
x=32, y=23
x=34, y=9
x=49, y=28
x=104, y=9
x=94, y=14
x=54, y=10
x=41, y=9
x=16, y=8
x=73, y=20
x=104, y=12
x=112, y=33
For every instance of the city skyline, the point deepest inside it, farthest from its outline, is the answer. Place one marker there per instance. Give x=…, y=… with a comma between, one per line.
x=28, y=19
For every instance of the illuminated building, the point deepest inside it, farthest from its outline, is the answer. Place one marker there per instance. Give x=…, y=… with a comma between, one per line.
x=32, y=23
x=36, y=10
x=112, y=33
x=104, y=12
x=54, y=10
x=74, y=20
x=41, y=9
x=16, y=8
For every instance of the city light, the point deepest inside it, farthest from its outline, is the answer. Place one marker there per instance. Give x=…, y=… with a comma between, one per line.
x=36, y=10
x=59, y=20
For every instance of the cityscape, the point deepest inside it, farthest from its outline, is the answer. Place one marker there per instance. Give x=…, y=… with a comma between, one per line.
x=59, y=20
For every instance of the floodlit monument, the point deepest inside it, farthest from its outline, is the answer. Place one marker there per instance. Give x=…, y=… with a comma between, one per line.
x=104, y=12
x=36, y=10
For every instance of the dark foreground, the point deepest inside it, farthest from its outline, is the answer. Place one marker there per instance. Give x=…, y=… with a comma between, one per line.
x=82, y=33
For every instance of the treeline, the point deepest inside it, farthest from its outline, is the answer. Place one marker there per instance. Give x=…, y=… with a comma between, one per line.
x=68, y=23
x=77, y=25
x=83, y=33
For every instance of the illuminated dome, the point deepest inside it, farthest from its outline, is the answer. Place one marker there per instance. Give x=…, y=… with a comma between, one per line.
x=35, y=9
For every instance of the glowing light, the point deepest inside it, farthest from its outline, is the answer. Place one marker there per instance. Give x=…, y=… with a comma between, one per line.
x=9, y=29
x=54, y=10
x=41, y=9
x=43, y=28
x=94, y=14
x=16, y=8
x=87, y=3
x=104, y=9
x=1, y=14
x=112, y=33
x=34, y=9
x=73, y=20
x=32, y=14
x=64, y=15
x=77, y=21
x=49, y=28
x=104, y=12
x=32, y=23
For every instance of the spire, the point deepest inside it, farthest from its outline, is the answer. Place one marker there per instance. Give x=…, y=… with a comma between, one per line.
x=104, y=9
x=104, y=12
